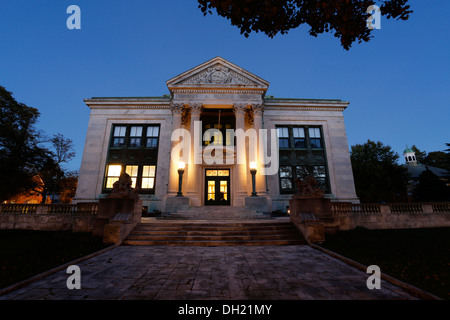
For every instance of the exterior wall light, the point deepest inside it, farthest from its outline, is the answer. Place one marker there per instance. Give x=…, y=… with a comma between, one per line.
x=181, y=166
x=253, y=172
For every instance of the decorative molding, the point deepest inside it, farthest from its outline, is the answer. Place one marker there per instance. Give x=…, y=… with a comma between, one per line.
x=239, y=109
x=195, y=108
x=257, y=109
x=222, y=91
x=177, y=109
x=126, y=106
x=304, y=108
x=218, y=74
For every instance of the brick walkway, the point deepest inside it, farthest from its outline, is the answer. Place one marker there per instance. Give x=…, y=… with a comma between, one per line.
x=192, y=273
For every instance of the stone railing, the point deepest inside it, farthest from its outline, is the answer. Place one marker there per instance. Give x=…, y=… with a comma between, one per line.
x=346, y=216
x=78, y=217
x=80, y=209
x=397, y=208
x=27, y=209
x=346, y=208
x=441, y=207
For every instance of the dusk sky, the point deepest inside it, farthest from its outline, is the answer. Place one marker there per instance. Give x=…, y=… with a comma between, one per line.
x=398, y=84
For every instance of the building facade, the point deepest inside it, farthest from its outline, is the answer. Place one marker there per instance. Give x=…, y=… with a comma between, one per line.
x=220, y=123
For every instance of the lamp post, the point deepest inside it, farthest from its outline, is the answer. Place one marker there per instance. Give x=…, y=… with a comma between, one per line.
x=181, y=166
x=253, y=172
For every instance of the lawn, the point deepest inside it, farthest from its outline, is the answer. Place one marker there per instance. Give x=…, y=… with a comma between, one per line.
x=26, y=253
x=420, y=257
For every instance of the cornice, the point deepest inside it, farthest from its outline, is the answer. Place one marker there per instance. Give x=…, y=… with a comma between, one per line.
x=220, y=90
x=127, y=104
x=304, y=108
x=307, y=105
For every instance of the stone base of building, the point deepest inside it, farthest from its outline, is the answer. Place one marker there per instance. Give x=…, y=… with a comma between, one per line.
x=256, y=203
x=175, y=204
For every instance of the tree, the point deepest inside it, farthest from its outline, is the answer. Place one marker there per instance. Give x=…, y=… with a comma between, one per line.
x=431, y=188
x=421, y=156
x=19, y=145
x=68, y=187
x=346, y=18
x=378, y=176
x=51, y=170
x=439, y=159
x=49, y=173
x=25, y=164
x=63, y=148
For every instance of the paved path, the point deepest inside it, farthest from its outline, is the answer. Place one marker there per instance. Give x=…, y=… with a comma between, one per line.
x=191, y=273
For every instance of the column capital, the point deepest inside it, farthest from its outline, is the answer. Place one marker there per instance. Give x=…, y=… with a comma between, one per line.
x=177, y=108
x=239, y=109
x=258, y=109
x=196, y=108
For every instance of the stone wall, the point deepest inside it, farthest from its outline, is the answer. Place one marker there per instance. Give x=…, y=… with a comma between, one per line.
x=347, y=216
x=77, y=218
x=314, y=217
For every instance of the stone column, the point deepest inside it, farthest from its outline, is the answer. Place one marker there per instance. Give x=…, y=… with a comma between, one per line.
x=241, y=165
x=194, y=175
x=177, y=112
x=257, y=125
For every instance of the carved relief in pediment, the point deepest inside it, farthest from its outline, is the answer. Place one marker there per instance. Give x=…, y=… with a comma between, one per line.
x=218, y=75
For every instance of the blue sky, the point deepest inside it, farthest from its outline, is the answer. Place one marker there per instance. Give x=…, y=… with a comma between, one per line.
x=397, y=84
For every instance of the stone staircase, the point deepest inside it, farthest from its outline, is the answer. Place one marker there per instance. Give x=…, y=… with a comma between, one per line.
x=215, y=213
x=251, y=232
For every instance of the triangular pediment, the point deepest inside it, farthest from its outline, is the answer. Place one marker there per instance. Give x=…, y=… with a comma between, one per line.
x=217, y=72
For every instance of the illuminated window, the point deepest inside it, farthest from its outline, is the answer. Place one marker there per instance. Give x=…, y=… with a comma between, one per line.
x=224, y=190
x=133, y=173
x=133, y=150
x=211, y=173
x=211, y=190
x=148, y=177
x=112, y=175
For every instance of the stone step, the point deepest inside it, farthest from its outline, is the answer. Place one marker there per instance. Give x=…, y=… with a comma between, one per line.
x=211, y=243
x=215, y=213
x=212, y=226
x=211, y=233
x=222, y=237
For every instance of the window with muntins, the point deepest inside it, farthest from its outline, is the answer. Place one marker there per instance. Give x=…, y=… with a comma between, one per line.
x=133, y=149
x=301, y=153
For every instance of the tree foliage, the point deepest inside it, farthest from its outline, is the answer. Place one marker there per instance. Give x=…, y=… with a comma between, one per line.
x=421, y=156
x=378, y=176
x=25, y=162
x=51, y=170
x=347, y=19
x=19, y=145
x=438, y=159
x=68, y=186
x=431, y=188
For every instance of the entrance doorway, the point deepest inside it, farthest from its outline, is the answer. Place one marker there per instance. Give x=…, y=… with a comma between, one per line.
x=217, y=187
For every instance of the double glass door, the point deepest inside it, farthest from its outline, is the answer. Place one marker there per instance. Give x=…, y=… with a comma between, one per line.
x=217, y=187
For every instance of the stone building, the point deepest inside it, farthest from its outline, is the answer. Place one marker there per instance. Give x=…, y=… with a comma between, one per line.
x=216, y=108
